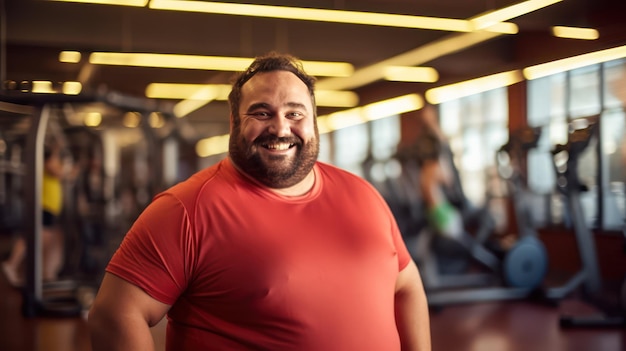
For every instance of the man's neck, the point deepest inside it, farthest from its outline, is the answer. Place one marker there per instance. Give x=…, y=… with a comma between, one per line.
x=298, y=189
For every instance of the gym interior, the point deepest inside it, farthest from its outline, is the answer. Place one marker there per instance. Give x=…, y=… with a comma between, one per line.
x=530, y=126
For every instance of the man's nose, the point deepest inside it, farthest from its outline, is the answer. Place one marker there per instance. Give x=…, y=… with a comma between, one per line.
x=280, y=126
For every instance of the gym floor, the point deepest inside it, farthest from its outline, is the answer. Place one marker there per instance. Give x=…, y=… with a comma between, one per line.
x=493, y=326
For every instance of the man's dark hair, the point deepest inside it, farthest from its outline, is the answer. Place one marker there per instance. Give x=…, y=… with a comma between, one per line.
x=268, y=63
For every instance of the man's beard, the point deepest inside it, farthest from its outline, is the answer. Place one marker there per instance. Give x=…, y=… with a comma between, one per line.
x=274, y=171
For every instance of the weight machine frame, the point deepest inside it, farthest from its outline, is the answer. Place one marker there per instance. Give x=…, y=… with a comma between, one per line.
x=38, y=107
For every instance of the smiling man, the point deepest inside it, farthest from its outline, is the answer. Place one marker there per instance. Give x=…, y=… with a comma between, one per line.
x=269, y=249
x=274, y=137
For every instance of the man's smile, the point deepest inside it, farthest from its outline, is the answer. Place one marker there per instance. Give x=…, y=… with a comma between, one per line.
x=277, y=146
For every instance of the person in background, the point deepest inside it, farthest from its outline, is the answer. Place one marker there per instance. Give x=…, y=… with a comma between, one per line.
x=52, y=236
x=269, y=249
x=436, y=181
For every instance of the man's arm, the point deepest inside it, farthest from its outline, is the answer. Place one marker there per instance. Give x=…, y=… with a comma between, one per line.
x=412, y=316
x=121, y=316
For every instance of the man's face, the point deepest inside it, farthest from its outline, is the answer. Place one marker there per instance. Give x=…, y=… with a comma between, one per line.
x=275, y=140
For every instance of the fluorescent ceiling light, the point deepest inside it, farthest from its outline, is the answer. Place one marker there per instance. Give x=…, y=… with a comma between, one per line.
x=473, y=86
x=328, y=69
x=72, y=88
x=139, y=3
x=504, y=28
x=186, y=107
x=340, y=120
x=215, y=63
x=574, y=62
x=208, y=92
x=185, y=91
x=200, y=98
x=311, y=14
x=212, y=146
x=392, y=107
x=575, y=33
x=411, y=74
x=70, y=56
x=493, y=17
x=369, y=112
x=47, y=87
x=170, y=61
x=335, y=98
x=42, y=87
x=320, y=15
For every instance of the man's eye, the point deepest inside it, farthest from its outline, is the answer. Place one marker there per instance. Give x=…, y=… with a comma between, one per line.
x=295, y=115
x=259, y=114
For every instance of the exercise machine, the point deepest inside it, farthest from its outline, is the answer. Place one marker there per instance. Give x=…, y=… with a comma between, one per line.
x=514, y=272
x=71, y=296
x=11, y=175
x=467, y=268
x=587, y=280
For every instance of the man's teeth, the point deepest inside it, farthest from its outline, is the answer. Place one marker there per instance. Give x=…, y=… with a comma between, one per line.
x=283, y=146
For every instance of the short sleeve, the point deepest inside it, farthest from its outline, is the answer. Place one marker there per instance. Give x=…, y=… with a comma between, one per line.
x=404, y=257
x=155, y=253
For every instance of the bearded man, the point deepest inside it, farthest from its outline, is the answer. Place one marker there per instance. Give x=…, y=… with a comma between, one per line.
x=268, y=249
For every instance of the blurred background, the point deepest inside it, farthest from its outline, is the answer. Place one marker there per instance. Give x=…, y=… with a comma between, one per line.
x=135, y=93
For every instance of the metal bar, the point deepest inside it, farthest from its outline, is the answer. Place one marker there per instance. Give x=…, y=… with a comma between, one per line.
x=476, y=295
x=33, y=211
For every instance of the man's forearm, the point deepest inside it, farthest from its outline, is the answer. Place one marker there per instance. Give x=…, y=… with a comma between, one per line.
x=411, y=309
x=413, y=322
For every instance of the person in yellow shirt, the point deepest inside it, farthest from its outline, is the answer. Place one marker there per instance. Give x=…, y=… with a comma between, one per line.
x=52, y=237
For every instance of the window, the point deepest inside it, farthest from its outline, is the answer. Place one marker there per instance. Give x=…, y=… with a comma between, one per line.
x=555, y=104
x=477, y=126
x=351, y=147
x=385, y=137
x=325, y=148
x=613, y=146
x=375, y=141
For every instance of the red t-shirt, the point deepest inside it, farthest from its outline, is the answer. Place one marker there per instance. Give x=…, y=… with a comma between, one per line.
x=247, y=269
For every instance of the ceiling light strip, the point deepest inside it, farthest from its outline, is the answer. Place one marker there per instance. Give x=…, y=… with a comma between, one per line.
x=70, y=56
x=393, y=106
x=312, y=14
x=136, y=3
x=570, y=63
x=170, y=61
x=212, y=146
x=504, y=14
x=208, y=92
x=575, y=33
x=411, y=74
x=473, y=86
x=495, y=24
x=215, y=63
x=182, y=91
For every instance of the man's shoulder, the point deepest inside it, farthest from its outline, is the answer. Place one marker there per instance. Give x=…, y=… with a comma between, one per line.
x=335, y=172
x=198, y=182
